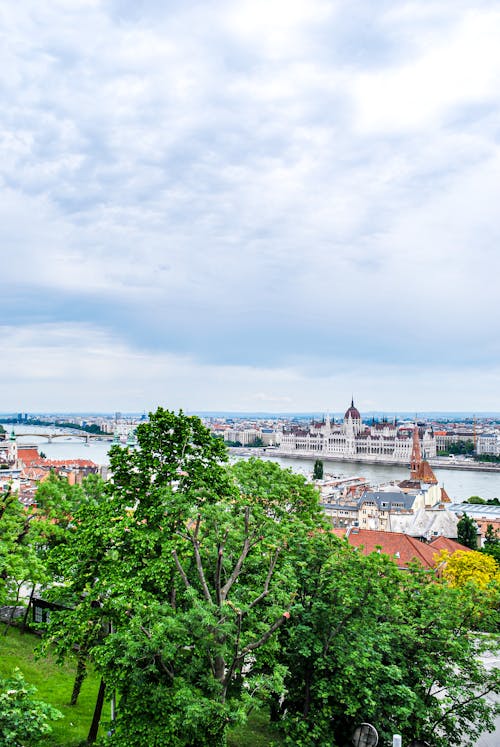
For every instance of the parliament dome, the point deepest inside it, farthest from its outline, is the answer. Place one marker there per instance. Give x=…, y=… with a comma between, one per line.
x=352, y=412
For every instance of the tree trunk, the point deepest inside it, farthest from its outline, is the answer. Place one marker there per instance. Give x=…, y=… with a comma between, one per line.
x=81, y=673
x=24, y=626
x=94, y=726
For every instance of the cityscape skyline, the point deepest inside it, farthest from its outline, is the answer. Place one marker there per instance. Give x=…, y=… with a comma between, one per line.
x=250, y=206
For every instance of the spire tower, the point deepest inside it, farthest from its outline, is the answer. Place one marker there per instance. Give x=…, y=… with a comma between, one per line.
x=416, y=455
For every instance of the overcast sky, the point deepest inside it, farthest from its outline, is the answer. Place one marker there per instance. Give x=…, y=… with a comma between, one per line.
x=250, y=205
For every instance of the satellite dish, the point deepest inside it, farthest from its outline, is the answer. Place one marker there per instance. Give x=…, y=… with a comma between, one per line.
x=365, y=735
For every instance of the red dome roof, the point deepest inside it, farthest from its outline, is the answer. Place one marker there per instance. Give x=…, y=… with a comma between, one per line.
x=352, y=412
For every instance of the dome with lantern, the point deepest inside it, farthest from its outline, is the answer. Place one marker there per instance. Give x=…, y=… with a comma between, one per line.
x=352, y=412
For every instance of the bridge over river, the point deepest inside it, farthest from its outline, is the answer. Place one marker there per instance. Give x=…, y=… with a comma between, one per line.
x=72, y=435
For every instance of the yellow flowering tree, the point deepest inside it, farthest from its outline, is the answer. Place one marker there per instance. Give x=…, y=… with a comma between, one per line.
x=462, y=567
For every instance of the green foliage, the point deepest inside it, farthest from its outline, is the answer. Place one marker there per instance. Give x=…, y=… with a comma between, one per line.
x=368, y=643
x=256, y=443
x=467, y=532
x=318, y=470
x=491, y=536
x=461, y=447
x=28, y=533
x=200, y=591
x=481, y=501
x=491, y=543
x=23, y=720
x=280, y=491
x=54, y=684
x=180, y=575
x=19, y=561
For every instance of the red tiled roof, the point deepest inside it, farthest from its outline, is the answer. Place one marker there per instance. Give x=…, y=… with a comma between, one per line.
x=444, y=543
x=445, y=498
x=34, y=473
x=392, y=543
x=424, y=473
x=27, y=455
x=77, y=463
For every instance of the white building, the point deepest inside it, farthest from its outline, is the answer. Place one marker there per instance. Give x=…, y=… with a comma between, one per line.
x=488, y=443
x=351, y=438
x=8, y=450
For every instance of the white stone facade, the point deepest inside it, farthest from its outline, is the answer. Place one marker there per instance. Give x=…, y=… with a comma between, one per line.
x=352, y=438
x=488, y=443
x=8, y=451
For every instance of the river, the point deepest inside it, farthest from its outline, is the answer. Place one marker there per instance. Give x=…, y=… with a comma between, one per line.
x=459, y=485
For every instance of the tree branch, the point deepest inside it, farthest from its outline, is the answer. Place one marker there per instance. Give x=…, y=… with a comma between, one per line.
x=199, y=564
x=230, y=671
x=247, y=545
x=218, y=569
x=181, y=569
x=458, y=706
x=157, y=657
x=265, y=592
x=264, y=638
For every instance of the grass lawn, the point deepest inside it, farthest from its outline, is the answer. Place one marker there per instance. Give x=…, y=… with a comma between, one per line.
x=55, y=683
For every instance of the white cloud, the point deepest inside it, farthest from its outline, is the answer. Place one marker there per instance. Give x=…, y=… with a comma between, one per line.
x=250, y=193
x=460, y=67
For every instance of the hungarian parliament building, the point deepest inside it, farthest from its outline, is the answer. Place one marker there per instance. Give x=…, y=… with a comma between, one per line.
x=351, y=438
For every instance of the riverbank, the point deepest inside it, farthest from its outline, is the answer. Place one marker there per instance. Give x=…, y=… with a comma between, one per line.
x=460, y=483
x=266, y=452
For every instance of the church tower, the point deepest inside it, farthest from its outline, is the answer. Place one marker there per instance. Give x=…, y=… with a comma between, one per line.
x=420, y=469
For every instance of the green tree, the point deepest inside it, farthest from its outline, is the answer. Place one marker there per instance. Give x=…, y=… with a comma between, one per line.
x=280, y=491
x=23, y=719
x=28, y=533
x=19, y=561
x=368, y=643
x=476, y=499
x=318, y=470
x=461, y=447
x=467, y=532
x=58, y=503
x=187, y=564
x=491, y=538
x=491, y=543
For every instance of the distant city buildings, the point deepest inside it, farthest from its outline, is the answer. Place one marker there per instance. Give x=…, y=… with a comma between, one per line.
x=488, y=444
x=351, y=438
x=417, y=506
x=8, y=450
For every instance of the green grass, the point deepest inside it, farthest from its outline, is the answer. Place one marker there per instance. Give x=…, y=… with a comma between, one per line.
x=55, y=683
x=257, y=732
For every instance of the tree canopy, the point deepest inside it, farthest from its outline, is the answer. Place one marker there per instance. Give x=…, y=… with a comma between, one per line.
x=201, y=590
x=367, y=642
x=318, y=470
x=467, y=532
x=462, y=567
x=188, y=565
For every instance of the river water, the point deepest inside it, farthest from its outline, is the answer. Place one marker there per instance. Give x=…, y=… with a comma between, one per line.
x=459, y=485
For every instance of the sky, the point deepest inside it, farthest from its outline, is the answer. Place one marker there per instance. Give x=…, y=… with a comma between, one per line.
x=246, y=205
